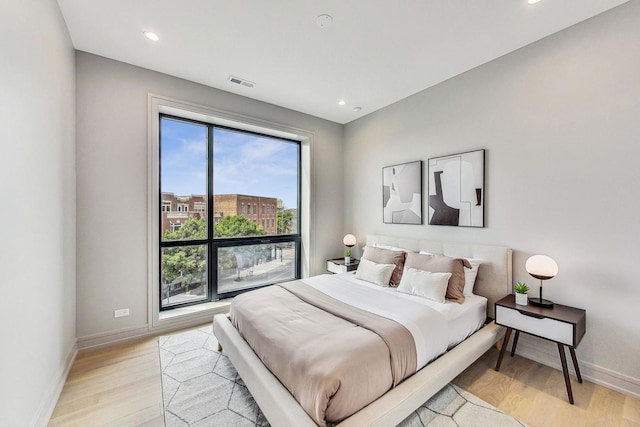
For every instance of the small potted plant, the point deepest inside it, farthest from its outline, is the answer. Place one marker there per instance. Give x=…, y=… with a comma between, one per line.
x=521, y=293
x=347, y=257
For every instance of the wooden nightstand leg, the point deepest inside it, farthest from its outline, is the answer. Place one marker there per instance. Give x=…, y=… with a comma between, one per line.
x=515, y=343
x=505, y=343
x=575, y=363
x=565, y=371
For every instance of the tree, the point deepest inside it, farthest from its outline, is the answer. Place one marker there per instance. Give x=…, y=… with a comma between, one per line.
x=192, y=228
x=236, y=226
x=188, y=262
x=285, y=220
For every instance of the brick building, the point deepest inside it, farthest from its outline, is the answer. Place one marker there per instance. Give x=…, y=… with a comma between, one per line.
x=261, y=210
x=177, y=209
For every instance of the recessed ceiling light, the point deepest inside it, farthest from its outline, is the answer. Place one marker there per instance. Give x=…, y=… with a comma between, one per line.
x=533, y=1
x=151, y=36
x=342, y=102
x=356, y=109
x=324, y=21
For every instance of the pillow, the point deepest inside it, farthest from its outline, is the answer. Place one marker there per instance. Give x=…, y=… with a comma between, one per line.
x=443, y=264
x=386, y=256
x=424, y=284
x=378, y=274
x=469, y=273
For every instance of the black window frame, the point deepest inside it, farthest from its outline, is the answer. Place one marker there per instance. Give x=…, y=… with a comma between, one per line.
x=212, y=243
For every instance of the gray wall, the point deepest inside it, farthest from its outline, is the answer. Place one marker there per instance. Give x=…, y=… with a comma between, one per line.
x=112, y=186
x=559, y=121
x=37, y=186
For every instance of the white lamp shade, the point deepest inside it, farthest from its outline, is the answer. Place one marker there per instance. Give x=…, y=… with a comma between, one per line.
x=541, y=267
x=349, y=240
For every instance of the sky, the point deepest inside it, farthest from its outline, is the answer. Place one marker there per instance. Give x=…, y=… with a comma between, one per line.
x=242, y=163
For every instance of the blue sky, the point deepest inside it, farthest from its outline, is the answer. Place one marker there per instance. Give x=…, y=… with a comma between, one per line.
x=242, y=163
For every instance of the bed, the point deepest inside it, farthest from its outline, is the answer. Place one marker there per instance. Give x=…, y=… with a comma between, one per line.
x=281, y=409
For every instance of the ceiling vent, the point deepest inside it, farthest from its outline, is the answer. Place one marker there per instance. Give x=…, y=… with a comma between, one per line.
x=239, y=81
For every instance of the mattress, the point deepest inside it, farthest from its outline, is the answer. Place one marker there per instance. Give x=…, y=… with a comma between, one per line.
x=462, y=319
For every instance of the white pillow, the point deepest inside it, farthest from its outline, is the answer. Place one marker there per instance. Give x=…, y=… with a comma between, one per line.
x=378, y=274
x=469, y=273
x=424, y=284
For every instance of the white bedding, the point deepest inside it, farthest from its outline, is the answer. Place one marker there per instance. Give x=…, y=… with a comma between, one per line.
x=434, y=326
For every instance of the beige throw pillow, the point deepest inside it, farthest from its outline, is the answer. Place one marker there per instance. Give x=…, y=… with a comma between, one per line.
x=386, y=256
x=470, y=274
x=443, y=264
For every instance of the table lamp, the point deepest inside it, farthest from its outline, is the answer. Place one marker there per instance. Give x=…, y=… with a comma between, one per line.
x=541, y=267
x=349, y=241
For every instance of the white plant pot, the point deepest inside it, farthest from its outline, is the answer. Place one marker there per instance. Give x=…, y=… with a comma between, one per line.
x=347, y=260
x=521, y=299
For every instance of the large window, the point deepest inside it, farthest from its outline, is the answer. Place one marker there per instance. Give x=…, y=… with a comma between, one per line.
x=209, y=247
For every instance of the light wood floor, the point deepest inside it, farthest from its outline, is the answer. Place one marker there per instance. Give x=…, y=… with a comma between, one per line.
x=113, y=386
x=121, y=386
x=536, y=394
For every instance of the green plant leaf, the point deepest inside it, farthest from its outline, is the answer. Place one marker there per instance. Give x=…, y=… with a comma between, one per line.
x=521, y=288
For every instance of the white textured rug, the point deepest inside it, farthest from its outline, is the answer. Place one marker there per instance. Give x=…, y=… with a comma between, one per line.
x=200, y=387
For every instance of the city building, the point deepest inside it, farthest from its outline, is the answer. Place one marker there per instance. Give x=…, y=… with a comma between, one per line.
x=261, y=210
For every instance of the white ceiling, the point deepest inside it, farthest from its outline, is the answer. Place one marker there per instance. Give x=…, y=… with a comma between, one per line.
x=375, y=53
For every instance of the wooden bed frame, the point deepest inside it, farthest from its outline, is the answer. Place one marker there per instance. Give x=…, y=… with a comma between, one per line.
x=281, y=409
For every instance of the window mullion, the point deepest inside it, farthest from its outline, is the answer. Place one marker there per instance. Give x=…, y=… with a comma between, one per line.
x=212, y=253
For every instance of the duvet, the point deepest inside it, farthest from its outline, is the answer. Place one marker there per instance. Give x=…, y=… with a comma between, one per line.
x=337, y=347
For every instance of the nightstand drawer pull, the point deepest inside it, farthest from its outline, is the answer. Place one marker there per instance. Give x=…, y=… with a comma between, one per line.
x=537, y=316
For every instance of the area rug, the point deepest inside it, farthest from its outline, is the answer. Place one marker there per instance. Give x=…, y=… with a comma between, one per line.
x=201, y=388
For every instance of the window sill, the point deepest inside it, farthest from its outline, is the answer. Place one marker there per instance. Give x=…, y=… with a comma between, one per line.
x=213, y=307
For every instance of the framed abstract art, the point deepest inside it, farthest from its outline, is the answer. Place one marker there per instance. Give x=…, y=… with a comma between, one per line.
x=456, y=189
x=402, y=193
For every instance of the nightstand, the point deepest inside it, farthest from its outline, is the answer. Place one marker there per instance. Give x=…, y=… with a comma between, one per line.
x=561, y=324
x=337, y=265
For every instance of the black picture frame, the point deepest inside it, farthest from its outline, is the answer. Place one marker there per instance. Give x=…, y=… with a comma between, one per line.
x=457, y=189
x=402, y=193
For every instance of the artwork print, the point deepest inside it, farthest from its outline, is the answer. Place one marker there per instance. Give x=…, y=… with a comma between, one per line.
x=402, y=193
x=456, y=190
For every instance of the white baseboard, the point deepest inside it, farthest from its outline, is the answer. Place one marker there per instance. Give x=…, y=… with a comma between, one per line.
x=167, y=325
x=111, y=337
x=43, y=415
x=546, y=353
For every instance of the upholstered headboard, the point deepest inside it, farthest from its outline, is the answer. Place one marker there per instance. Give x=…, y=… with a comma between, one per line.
x=494, y=279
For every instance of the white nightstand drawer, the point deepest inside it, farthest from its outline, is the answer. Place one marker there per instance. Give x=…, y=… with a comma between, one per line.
x=542, y=327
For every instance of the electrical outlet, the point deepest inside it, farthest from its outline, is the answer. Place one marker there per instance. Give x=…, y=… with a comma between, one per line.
x=123, y=312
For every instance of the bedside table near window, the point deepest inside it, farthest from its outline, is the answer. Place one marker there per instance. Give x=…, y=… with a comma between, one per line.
x=337, y=265
x=561, y=324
